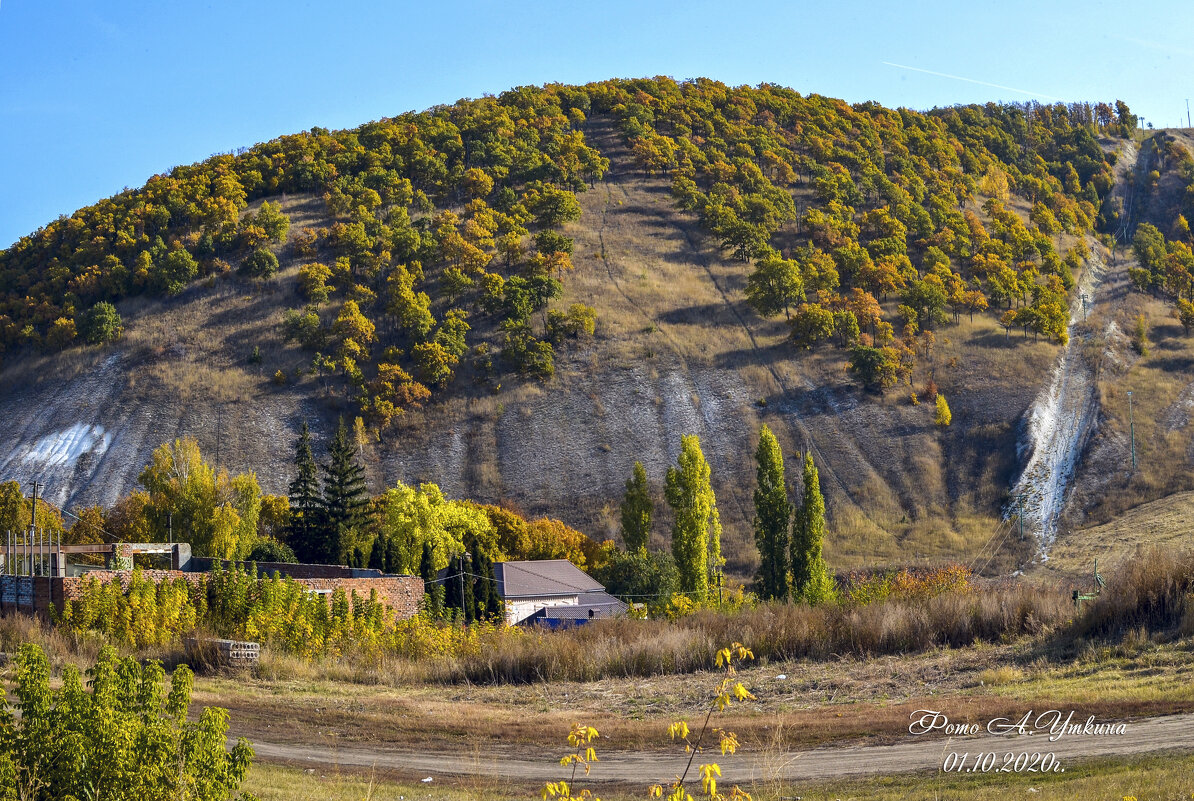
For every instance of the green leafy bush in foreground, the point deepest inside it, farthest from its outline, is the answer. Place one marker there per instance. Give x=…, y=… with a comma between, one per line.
x=124, y=739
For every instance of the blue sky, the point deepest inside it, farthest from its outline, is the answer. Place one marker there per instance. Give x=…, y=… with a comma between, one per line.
x=96, y=96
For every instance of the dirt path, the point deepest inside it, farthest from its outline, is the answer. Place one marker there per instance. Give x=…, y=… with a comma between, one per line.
x=1174, y=732
x=1065, y=414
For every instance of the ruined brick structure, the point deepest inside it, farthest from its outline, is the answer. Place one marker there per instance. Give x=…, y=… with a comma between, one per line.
x=35, y=593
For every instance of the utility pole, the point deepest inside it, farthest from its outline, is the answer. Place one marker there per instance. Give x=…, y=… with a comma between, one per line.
x=1188, y=113
x=1020, y=501
x=1132, y=429
x=1083, y=307
x=33, y=518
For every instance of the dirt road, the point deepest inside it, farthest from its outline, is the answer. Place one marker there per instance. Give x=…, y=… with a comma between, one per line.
x=1174, y=732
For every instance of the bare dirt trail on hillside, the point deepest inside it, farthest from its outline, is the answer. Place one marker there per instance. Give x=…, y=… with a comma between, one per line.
x=1171, y=733
x=1066, y=412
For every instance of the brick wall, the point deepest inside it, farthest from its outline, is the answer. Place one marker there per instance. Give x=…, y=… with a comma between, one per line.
x=401, y=593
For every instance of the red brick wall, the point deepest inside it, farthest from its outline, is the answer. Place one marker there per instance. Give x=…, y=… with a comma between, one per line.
x=401, y=593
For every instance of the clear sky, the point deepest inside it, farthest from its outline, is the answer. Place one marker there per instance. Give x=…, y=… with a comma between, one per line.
x=96, y=96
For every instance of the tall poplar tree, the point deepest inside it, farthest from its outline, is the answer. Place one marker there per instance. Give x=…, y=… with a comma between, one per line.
x=811, y=581
x=773, y=514
x=696, y=532
x=306, y=527
x=344, y=497
x=637, y=509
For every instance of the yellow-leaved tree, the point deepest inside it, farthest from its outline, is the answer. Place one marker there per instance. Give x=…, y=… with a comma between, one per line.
x=190, y=502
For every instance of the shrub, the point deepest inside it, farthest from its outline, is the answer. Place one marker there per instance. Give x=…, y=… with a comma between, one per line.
x=121, y=740
x=269, y=550
x=101, y=323
x=261, y=263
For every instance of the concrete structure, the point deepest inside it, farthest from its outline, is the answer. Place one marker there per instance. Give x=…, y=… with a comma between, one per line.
x=552, y=592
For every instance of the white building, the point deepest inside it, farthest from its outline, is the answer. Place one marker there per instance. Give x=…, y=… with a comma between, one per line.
x=552, y=592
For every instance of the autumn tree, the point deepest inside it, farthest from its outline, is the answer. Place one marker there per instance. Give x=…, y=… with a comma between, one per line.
x=696, y=531
x=811, y=324
x=637, y=510
x=943, y=417
x=217, y=512
x=773, y=514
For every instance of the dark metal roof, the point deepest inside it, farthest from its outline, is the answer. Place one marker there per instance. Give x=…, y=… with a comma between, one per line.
x=542, y=578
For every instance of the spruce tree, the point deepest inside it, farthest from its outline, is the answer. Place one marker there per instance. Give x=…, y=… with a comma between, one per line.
x=773, y=513
x=811, y=581
x=696, y=530
x=637, y=509
x=344, y=496
x=306, y=527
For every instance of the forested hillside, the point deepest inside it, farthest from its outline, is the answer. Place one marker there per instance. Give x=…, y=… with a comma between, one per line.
x=521, y=295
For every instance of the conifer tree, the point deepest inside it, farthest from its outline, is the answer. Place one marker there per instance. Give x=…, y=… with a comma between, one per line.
x=696, y=532
x=773, y=514
x=306, y=528
x=433, y=589
x=454, y=585
x=637, y=509
x=344, y=497
x=811, y=581
x=377, y=554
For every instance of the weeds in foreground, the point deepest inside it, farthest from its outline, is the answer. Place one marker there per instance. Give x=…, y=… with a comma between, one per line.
x=727, y=692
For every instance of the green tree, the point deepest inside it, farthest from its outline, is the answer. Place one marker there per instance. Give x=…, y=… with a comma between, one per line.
x=1183, y=312
x=261, y=263
x=639, y=576
x=344, y=497
x=773, y=515
x=873, y=367
x=307, y=529
x=101, y=324
x=811, y=324
x=774, y=286
x=218, y=513
x=696, y=532
x=811, y=581
x=275, y=223
x=175, y=271
x=637, y=509
x=122, y=737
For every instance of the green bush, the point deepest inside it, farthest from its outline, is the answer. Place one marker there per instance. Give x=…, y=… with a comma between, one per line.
x=267, y=550
x=121, y=741
x=261, y=263
x=101, y=323
x=639, y=576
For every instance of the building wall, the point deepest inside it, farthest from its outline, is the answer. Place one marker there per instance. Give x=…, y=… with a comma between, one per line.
x=34, y=595
x=522, y=608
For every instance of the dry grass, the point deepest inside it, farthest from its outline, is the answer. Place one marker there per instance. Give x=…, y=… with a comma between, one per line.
x=1151, y=594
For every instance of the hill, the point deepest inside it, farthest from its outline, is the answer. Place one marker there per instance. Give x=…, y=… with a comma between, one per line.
x=741, y=255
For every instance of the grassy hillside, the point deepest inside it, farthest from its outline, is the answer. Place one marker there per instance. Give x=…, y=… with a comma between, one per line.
x=680, y=215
